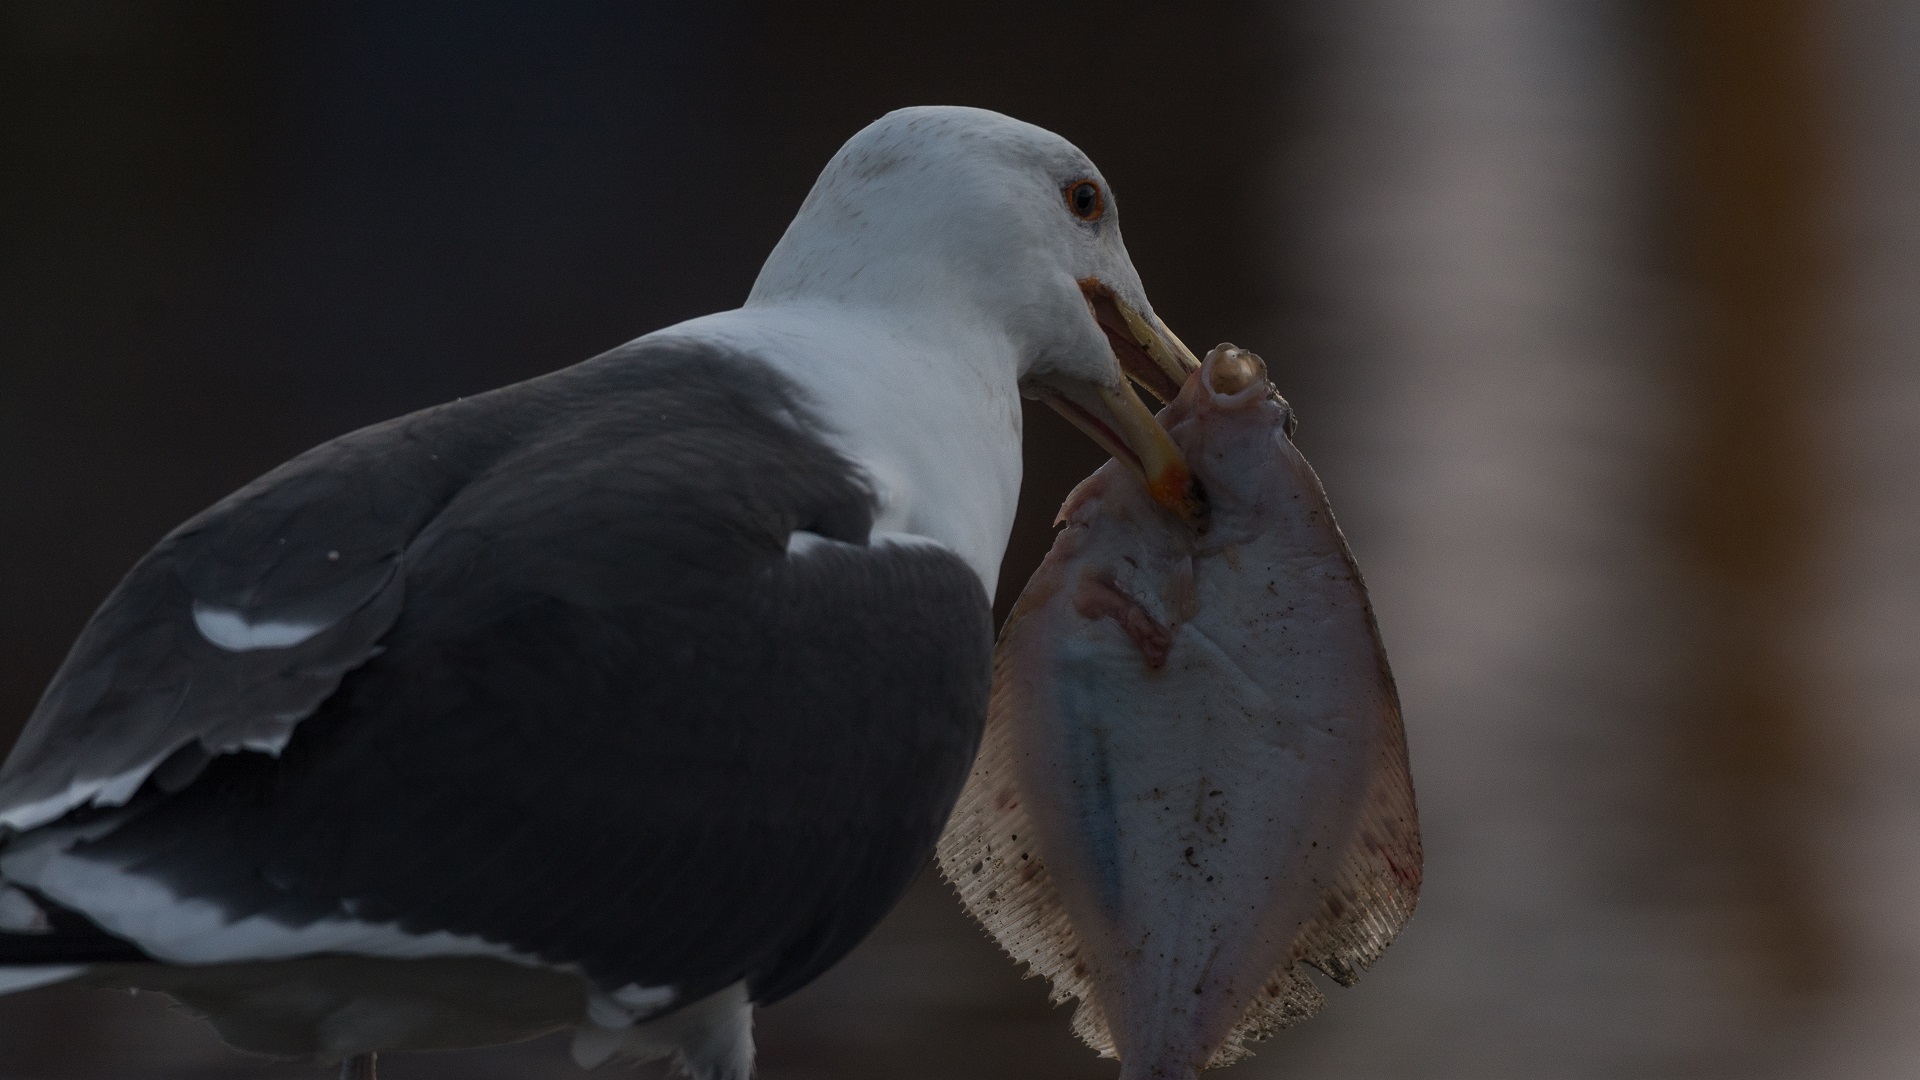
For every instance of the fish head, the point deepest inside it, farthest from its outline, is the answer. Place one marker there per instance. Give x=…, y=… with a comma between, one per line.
x=1237, y=432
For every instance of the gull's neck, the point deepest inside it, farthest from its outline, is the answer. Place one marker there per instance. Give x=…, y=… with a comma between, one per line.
x=924, y=398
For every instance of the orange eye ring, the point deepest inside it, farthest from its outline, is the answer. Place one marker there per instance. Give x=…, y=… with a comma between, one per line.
x=1085, y=199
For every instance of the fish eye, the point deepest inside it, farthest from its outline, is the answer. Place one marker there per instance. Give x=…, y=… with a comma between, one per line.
x=1086, y=200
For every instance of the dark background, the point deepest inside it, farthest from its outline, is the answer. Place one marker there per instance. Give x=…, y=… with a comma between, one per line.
x=1456, y=231
x=234, y=233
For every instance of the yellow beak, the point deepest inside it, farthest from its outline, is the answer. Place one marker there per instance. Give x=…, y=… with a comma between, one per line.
x=1118, y=420
x=1148, y=351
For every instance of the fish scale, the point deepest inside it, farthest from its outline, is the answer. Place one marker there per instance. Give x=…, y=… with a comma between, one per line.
x=1194, y=775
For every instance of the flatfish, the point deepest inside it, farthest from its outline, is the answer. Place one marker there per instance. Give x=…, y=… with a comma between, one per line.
x=1194, y=778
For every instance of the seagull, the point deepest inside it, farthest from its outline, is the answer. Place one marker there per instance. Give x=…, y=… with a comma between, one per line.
x=617, y=701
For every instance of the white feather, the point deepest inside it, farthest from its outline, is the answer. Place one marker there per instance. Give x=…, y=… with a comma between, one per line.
x=186, y=930
x=19, y=914
x=228, y=629
x=801, y=542
x=15, y=979
x=103, y=791
x=630, y=1003
x=905, y=539
x=712, y=1036
x=943, y=456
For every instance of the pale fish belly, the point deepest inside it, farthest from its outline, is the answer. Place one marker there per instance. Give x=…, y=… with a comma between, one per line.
x=1194, y=775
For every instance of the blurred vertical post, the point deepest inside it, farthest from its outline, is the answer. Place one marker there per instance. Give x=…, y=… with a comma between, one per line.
x=1748, y=162
x=1867, y=696
x=1469, y=219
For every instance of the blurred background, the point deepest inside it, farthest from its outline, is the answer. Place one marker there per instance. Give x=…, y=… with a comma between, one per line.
x=1601, y=318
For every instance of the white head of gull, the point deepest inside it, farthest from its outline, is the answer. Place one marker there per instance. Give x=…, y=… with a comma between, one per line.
x=948, y=261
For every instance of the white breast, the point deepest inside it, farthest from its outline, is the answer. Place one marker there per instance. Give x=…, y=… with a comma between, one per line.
x=929, y=410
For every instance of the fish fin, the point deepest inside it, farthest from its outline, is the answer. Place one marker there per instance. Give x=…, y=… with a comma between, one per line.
x=988, y=855
x=1288, y=998
x=1370, y=899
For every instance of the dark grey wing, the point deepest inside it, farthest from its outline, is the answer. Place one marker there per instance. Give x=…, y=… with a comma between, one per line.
x=240, y=622
x=621, y=720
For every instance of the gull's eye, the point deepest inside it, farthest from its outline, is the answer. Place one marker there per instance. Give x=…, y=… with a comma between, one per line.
x=1085, y=200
